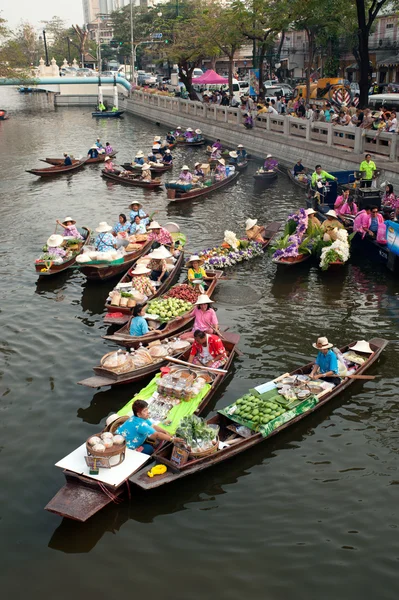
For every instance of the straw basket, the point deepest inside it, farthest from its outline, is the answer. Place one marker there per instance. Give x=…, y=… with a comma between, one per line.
x=207, y=452
x=116, y=452
x=125, y=368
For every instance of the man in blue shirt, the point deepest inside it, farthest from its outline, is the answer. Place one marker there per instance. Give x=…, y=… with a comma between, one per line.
x=93, y=152
x=326, y=364
x=67, y=160
x=138, y=429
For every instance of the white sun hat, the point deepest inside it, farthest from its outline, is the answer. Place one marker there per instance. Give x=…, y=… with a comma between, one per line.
x=249, y=223
x=222, y=161
x=140, y=154
x=188, y=129
x=140, y=270
x=198, y=131
x=362, y=346
x=154, y=225
x=103, y=227
x=157, y=138
x=269, y=156
x=204, y=299
x=160, y=253
x=111, y=419
x=178, y=127
x=68, y=219
x=55, y=240
x=196, y=164
x=185, y=168
x=167, y=151
x=331, y=213
x=310, y=211
x=240, y=146
x=194, y=258
x=233, y=154
x=322, y=343
x=145, y=167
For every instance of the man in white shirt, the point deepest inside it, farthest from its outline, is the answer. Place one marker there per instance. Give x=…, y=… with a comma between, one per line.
x=271, y=110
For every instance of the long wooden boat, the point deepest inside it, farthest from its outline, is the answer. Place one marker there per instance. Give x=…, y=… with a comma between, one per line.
x=46, y=268
x=153, y=169
x=302, y=184
x=178, y=196
x=149, y=185
x=173, y=327
x=104, y=271
x=89, y=161
x=81, y=497
x=266, y=176
x=236, y=443
x=169, y=281
x=104, y=377
x=225, y=153
x=57, y=170
x=184, y=142
x=291, y=261
x=107, y=114
x=241, y=166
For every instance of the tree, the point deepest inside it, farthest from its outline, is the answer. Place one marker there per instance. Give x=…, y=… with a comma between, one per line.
x=82, y=35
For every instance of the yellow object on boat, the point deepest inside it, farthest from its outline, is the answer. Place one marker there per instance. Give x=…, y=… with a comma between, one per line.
x=157, y=470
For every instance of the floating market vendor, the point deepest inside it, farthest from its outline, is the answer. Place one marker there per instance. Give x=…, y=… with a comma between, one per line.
x=220, y=170
x=253, y=231
x=233, y=160
x=123, y=225
x=108, y=148
x=242, y=153
x=189, y=134
x=216, y=153
x=67, y=160
x=54, y=244
x=93, y=152
x=178, y=132
x=207, y=350
x=217, y=145
x=205, y=317
x=137, y=210
x=185, y=175
x=312, y=219
x=141, y=280
x=104, y=241
x=156, y=145
x=326, y=364
x=70, y=230
x=152, y=158
x=198, y=136
x=98, y=143
x=137, y=227
x=139, y=158
x=157, y=264
x=138, y=324
x=196, y=274
x=170, y=138
x=330, y=224
x=138, y=431
x=270, y=163
x=198, y=172
x=145, y=173
x=159, y=235
x=167, y=158
x=109, y=166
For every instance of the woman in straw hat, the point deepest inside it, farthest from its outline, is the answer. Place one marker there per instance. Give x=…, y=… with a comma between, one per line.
x=109, y=166
x=331, y=222
x=141, y=280
x=139, y=158
x=198, y=172
x=105, y=241
x=185, y=175
x=189, y=134
x=242, y=153
x=233, y=160
x=198, y=135
x=253, y=231
x=157, y=265
x=159, y=236
x=145, y=173
x=196, y=274
x=136, y=210
x=270, y=163
x=313, y=221
x=326, y=363
x=70, y=230
x=54, y=244
x=220, y=169
x=205, y=317
x=93, y=152
x=167, y=158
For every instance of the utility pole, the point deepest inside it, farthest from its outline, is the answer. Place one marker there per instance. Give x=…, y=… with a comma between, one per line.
x=45, y=48
x=132, y=43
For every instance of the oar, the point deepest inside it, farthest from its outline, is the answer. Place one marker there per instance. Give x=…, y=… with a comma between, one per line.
x=191, y=365
x=361, y=376
x=226, y=339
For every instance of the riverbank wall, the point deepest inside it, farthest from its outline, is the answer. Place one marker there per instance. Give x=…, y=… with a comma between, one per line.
x=286, y=138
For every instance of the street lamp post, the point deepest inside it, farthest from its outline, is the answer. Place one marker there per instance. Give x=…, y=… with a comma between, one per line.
x=45, y=47
x=132, y=59
x=69, y=50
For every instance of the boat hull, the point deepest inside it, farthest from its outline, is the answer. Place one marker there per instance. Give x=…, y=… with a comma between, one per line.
x=57, y=170
x=174, y=196
x=55, y=269
x=150, y=185
x=105, y=271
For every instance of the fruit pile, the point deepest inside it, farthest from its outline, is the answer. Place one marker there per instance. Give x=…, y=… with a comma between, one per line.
x=259, y=412
x=183, y=292
x=168, y=308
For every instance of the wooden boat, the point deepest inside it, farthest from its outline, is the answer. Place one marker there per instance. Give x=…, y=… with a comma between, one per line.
x=266, y=176
x=290, y=261
x=3, y=114
x=104, y=271
x=173, y=327
x=225, y=153
x=241, y=166
x=179, y=196
x=45, y=268
x=183, y=142
x=57, y=169
x=105, y=377
x=236, y=443
x=135, y=182
x=89, y=161
x=153, y=169
x=302, y=184
x=170, y=280
x=107, y=114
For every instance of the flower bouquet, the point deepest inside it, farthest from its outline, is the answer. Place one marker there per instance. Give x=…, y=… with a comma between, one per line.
x=231, y=252
x=294, y=243
x=335, y=252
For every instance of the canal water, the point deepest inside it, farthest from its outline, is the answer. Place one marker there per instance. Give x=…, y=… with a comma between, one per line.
x=310, y=514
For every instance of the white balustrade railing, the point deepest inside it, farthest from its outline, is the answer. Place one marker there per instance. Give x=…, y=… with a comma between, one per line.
x=344, y=138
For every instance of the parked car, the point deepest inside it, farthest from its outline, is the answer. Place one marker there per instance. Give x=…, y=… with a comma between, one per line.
x=85, y=73
x=270, y=82
x=282, y=89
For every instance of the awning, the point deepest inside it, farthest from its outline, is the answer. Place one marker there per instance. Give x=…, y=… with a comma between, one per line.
x=391, y=61
x=353, y=67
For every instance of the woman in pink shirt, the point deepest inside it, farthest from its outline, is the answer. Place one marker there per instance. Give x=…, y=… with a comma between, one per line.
x=205, y=317
x=349, y=208
x=69, y=228
x=340, y=201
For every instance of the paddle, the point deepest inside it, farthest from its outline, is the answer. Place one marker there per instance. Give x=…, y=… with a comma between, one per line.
x=191, y=365
x=361, y=376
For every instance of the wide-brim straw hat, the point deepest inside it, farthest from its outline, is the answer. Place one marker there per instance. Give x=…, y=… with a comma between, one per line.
x=140, y=154
x=204, y=299
x=240, y=146
x=188, y=129
x=185, y=168
x=362, y=346
x=103, y=227
x=194, y=258
x=167, y=151
x=55, y=240
x=196, y=164
x=68, y=220
x=157, y=138
x=233, y=154
x=331, y=213
x=198, y=131
x=108, y=158
x=136, y=204
x=160, y=253
x=117, y=423
x=145, y=167
x=310, y=211
x=269, y=156
x=154, y=225
x=109, y=420
x=249, y=223
x=93, y=147
x=322, y=343
x=140, y=270
x=178, y=127
x=222, y=161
